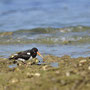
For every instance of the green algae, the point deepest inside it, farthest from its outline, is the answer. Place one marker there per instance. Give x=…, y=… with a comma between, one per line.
x=71, y=74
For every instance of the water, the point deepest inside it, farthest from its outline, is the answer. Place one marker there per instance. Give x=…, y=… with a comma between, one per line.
x=12, y=66
x=58, y=27
x=26, y=14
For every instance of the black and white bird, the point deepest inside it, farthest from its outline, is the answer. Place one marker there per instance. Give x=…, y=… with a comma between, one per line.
x=26, y=55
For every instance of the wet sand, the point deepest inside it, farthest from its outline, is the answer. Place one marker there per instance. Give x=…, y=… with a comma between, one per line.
x=70, y=74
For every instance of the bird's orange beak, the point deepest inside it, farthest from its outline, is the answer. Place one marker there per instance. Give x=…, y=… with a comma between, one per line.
x=39, y=54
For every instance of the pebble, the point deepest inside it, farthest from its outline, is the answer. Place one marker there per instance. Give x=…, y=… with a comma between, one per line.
x=19, y=64
x=32, y=74
x=17, y=69
x=37, y=61
x=14, y=80
x=67, y=74
x=83, y=61
x=44, y=67
x=57, y=72
x=29, y=63
x=89, y=68
x=37, y=74
x=80, y=64
x=29, y=75
x=63, y=82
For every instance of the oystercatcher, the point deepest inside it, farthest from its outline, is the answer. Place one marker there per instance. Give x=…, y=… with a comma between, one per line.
x=26, y=55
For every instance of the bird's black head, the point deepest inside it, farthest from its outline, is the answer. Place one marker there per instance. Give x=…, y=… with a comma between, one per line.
x=34, y=50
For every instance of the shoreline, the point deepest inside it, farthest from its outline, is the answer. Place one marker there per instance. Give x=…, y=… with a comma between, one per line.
x=71, y=74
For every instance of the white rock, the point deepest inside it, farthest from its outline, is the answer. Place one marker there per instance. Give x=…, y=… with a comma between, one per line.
x=89, y=68
x=67, y=74
x=83, y=61
x=37, y=74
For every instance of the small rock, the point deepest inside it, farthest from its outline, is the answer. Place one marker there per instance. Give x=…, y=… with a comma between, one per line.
x=53, y=79
x=17, y=69
x=19, y=64
x=83, y=73
x=80, y=64
x=75, y=65
x=57, y=72
x=89, y=68
x=63, y=82
x=67, y=74
x=14, y=80
x=37, y=74
x=37, y=61
x=83, y=61
x=29, y=75
x=29, y=63
x=44, y=67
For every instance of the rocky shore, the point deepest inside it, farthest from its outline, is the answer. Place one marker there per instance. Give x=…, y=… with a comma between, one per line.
x=70, y=74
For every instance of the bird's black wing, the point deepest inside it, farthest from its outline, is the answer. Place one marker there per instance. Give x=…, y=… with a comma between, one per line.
x=24, y=55
x=24, y=52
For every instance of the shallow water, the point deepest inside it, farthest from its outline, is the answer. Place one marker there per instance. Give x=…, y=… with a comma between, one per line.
x=54, y=64
x=58, y=27
x=12, y=66
x=57, y=50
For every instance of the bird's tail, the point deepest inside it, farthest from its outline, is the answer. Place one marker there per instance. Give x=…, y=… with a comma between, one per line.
x=13, y=57
x=10, y=58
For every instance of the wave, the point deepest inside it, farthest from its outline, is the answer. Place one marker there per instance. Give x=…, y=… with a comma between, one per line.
x=67, y=35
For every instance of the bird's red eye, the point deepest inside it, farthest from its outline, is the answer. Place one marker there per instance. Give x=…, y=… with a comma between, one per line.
x=35, y=49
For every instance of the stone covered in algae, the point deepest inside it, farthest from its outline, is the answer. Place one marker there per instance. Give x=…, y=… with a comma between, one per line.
x=69, y=75
x=34, y=61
